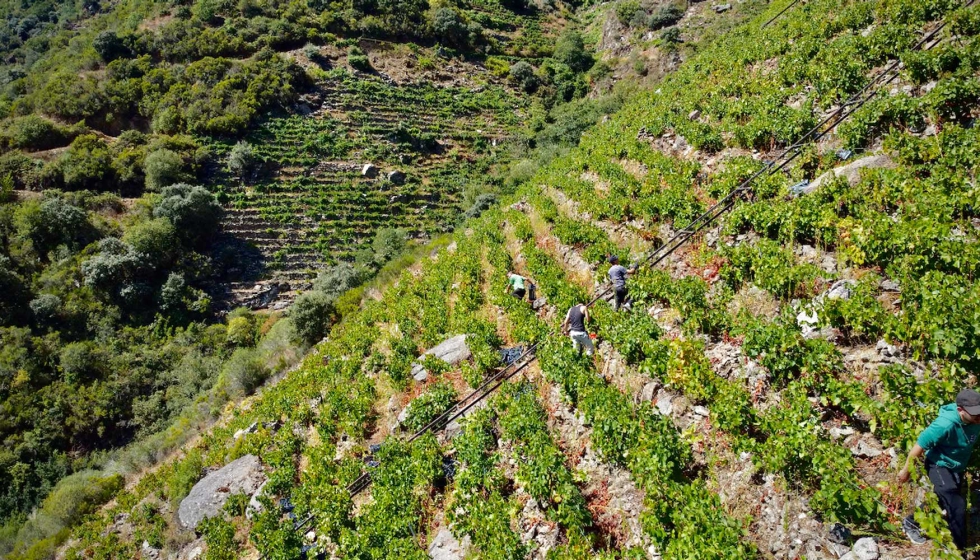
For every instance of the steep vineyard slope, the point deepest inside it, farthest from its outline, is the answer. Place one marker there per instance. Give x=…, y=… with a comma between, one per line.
x=764, y=386
x=371, y=154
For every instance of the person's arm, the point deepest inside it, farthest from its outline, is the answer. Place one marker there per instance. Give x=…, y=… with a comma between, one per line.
x=586, y=313
x=916, y=453
x=928, y=439
x=564, y=323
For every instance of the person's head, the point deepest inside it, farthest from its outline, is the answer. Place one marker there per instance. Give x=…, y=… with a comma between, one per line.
x=613, y=259
x=968, y=405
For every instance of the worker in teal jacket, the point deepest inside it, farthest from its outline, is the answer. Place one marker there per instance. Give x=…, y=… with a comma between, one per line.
x=947, y=444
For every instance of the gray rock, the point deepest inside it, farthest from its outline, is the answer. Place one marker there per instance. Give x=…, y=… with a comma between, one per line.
x=396, y=177
x=208, y=496
x=841, y=289
x=887, y=350
x=694, y=115
x=403, y=415
x=890, y=286
x=419, y=373
x=721, y=8
x=866, y=549
x=370, y=171
x=851, y=172
x=451, y=351
x=446, y=547
x=249, y=430
x=648, y=392
x=843, y=431
x=868, y=448
x=664, y=404
x=254, y=505
x=148, y=552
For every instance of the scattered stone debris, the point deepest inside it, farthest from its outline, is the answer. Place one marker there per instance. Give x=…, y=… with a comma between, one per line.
x=721, y=8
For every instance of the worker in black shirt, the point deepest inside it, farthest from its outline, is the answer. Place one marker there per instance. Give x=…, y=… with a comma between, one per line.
x=574, y=327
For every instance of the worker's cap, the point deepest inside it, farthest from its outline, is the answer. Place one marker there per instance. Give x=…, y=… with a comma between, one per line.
x=613, y=259
x=969, y=400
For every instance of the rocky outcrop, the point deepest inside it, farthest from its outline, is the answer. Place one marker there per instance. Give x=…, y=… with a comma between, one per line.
x=451, y=351
x=850, y=172
x=446, y=547
x=207, y=497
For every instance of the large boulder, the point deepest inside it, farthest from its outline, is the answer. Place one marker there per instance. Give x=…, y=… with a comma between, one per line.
x=208, y=496
x=851, y=172
x=451, y=351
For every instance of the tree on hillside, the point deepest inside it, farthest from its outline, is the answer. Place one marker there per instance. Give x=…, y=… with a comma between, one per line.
x=449, y=27
x=193, y=211
x=241, y=160
x=110, y=46
x=87, y=164
x=163, y=168
x=311, y=314
x=523, y=75
x=570, y=50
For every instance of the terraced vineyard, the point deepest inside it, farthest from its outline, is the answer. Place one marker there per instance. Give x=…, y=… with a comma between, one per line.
x=765, y=385
x=317, y=204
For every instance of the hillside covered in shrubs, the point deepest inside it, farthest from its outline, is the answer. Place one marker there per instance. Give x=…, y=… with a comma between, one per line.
x=756, y=401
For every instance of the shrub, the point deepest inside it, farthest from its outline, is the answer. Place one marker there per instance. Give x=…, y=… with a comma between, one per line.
x=665, y=16
x=312, y=313
x=110, y=46
x=244, y=371
x=164, y=168
x=52, y=222
x=339, y=278
x=450, y=28
x=522, y=75
x=241, y=160
x=79, y=494
x=388, y=243
x=570, y=50
x=626, y=11
x=33, y=132
x=157, y=239
x=193, y=211
x=671, y=37
x=87, y=164
x=357, y=59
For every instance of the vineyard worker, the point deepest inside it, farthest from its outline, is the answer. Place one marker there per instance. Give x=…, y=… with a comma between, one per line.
x=617, y=275
x=947, y=444
x=574, y=326
x=515, y=284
